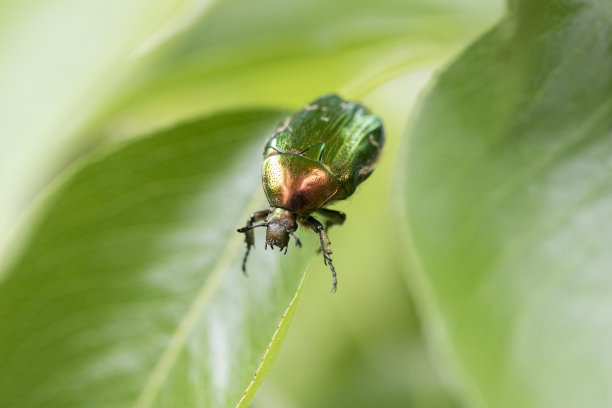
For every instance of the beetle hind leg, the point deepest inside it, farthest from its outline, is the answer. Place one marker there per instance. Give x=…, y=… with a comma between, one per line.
x=317, y=227
x=249, y=236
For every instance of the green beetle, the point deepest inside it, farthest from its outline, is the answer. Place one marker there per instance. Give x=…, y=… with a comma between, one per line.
x=317, y=156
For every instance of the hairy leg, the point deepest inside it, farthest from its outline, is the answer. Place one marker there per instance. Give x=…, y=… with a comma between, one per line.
x=317, y=227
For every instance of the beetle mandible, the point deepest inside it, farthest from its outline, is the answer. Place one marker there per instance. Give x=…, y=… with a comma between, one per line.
x=317, y=156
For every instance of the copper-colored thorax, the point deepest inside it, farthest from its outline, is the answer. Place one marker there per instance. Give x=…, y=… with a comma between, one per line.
x=297, y=184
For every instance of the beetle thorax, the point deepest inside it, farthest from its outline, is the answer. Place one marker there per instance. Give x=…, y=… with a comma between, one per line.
x=297, y=184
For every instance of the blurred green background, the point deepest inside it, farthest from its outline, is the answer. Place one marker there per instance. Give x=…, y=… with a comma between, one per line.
x=81, y=77
x=474, y=266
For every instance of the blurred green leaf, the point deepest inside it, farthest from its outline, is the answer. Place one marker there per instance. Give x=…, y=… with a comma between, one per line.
x=60, y=62
x=130, y=291
x=271, y=53
x=83, y=84
x=509, y=204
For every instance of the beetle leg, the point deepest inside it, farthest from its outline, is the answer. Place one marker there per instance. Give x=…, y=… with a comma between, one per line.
x=298, y=243
x=249, y=236
x=332, y=217
x=317, y=227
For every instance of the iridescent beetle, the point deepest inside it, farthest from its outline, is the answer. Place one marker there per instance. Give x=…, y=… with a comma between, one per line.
x=317, y=156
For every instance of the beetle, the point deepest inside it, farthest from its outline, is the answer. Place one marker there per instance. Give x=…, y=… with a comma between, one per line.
x=317, y=156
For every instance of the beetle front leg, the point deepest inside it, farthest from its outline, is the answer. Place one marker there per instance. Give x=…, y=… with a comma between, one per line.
x=249, y=235
x=298, y=243
x=332, y=217
x=317, y=227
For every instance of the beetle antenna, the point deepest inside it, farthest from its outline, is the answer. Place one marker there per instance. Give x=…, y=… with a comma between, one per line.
x=250, y=227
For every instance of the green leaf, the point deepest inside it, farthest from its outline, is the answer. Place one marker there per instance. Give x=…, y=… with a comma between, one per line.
x=130, y=290
x=59, y=63
x=269, y=53
x=509, y=204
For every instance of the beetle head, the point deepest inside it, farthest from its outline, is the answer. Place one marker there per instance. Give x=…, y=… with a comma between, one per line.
x=281, y=223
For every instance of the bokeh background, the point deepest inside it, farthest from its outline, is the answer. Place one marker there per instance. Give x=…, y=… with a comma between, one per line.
x=80, y=75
